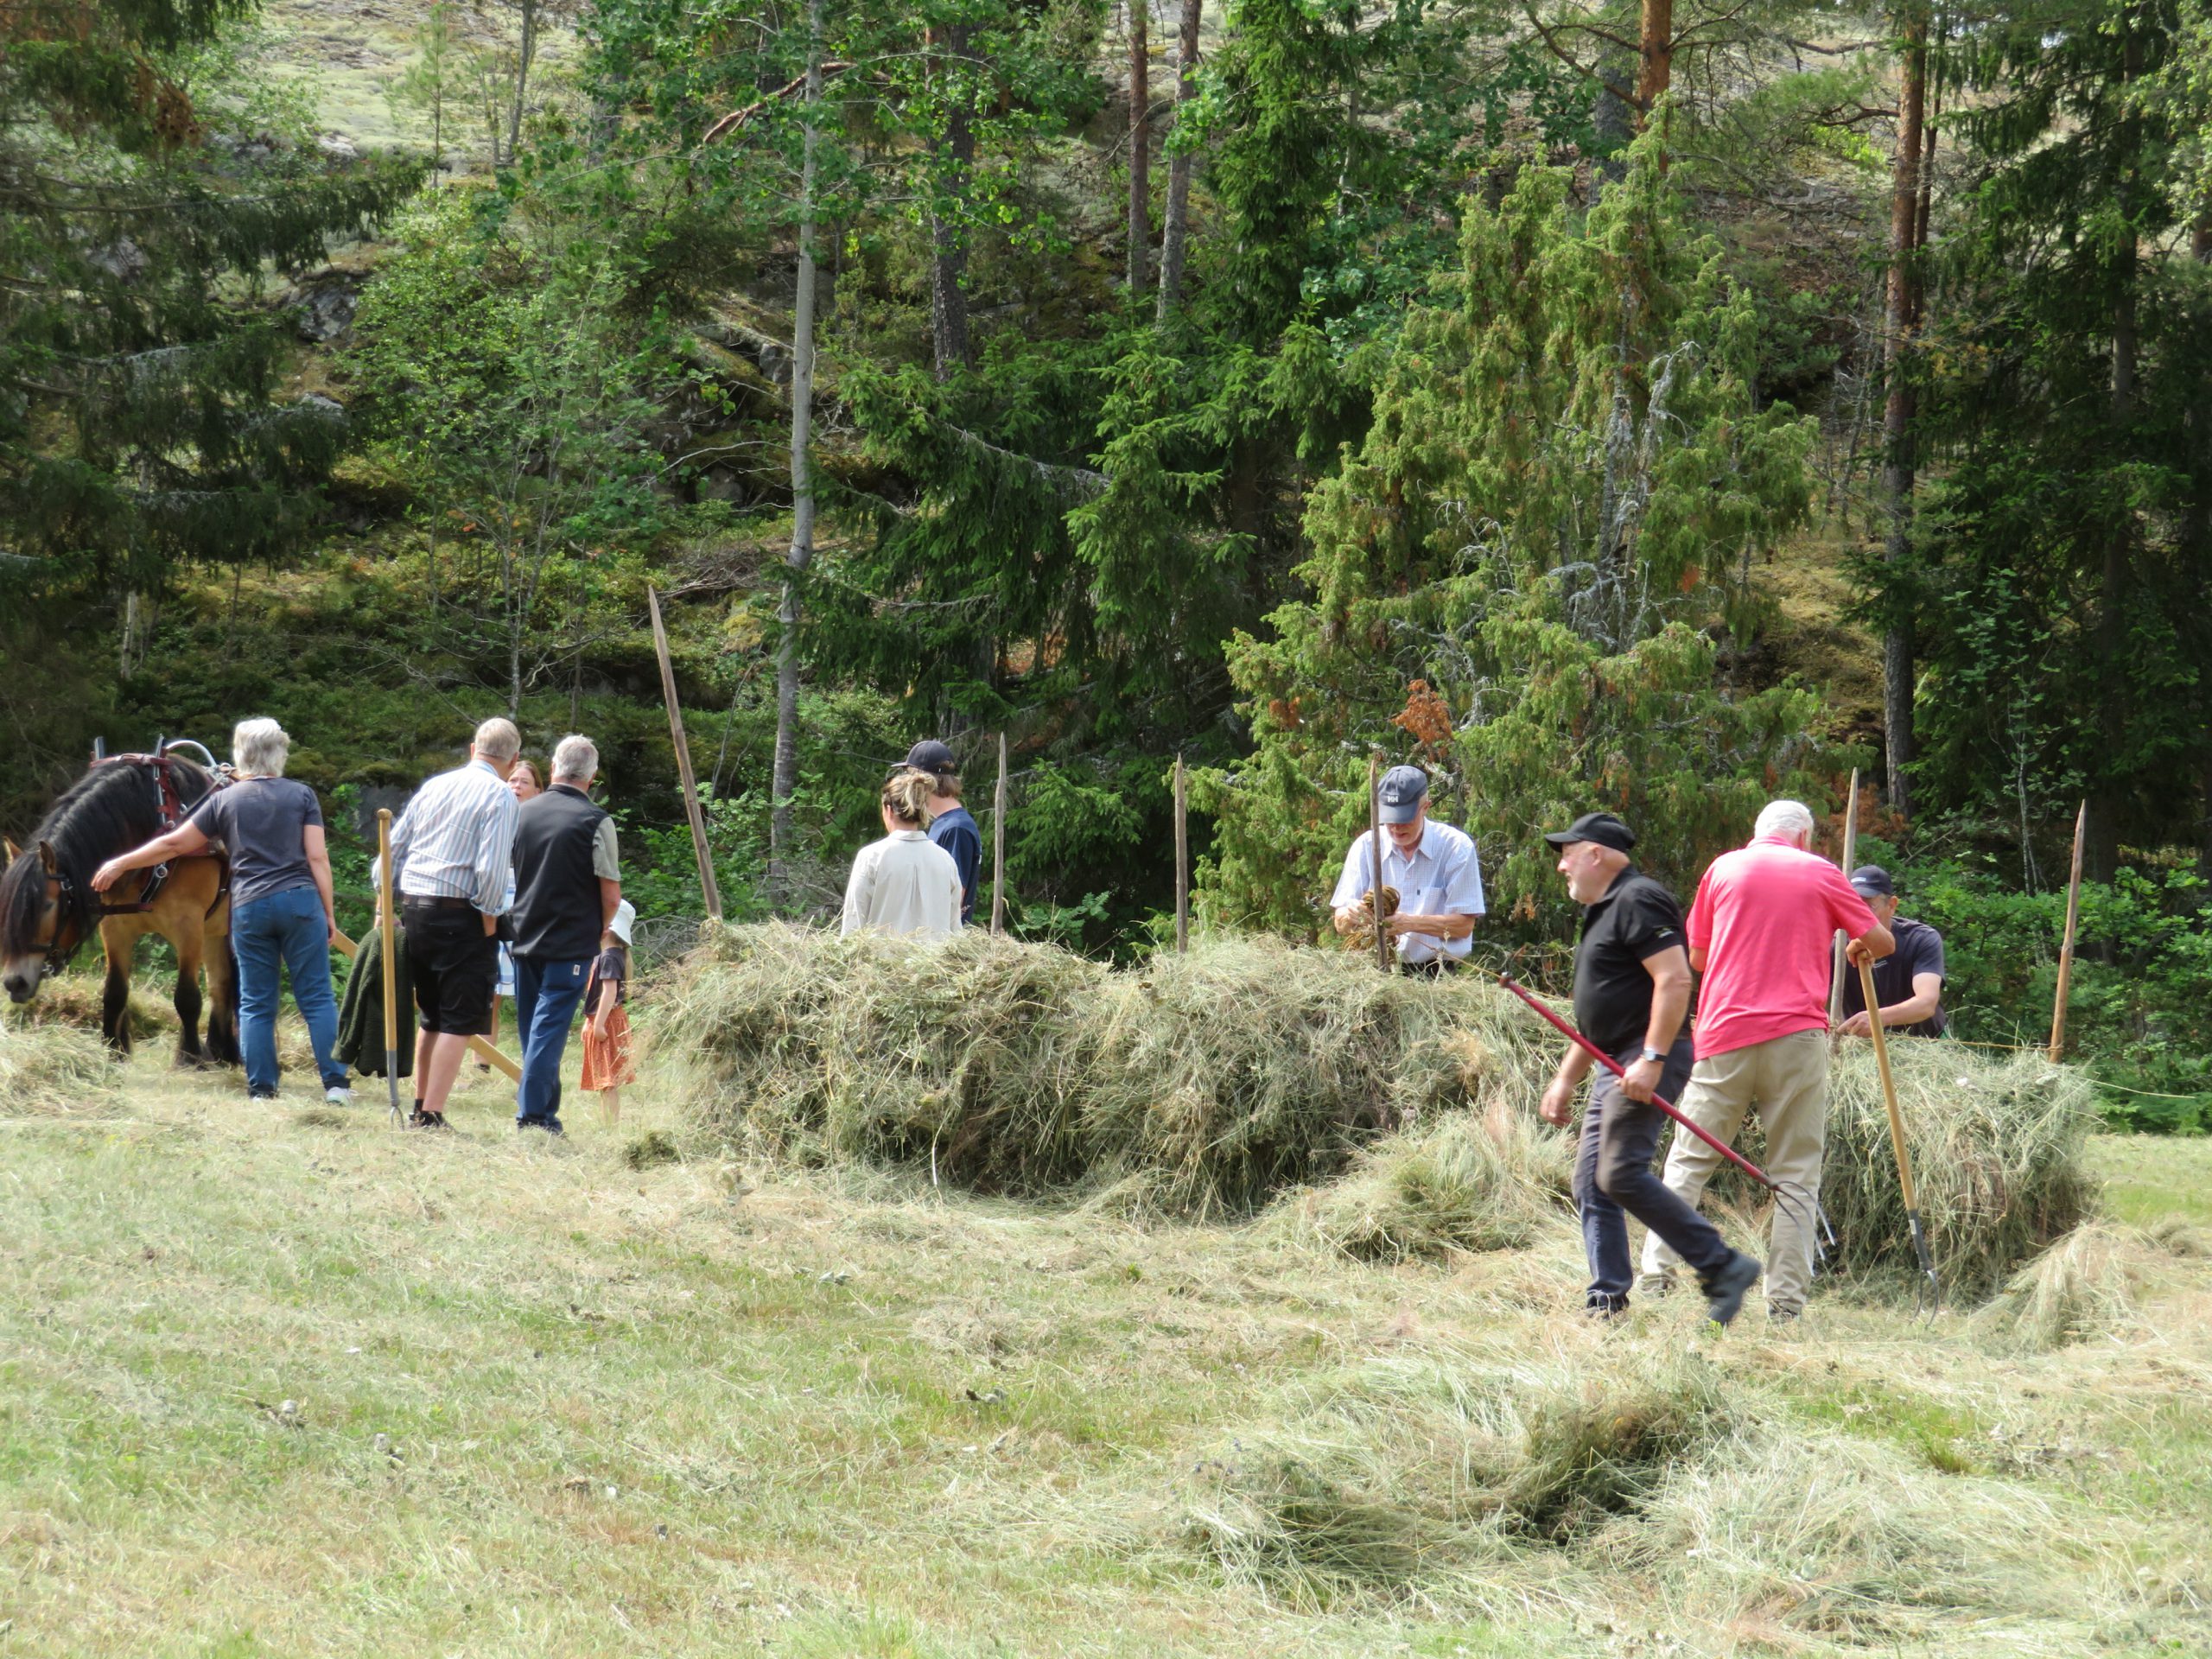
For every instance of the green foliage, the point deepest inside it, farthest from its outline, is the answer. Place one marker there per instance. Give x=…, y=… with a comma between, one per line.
x=1564, y=472
x=2135, y=1010
x=142, y=419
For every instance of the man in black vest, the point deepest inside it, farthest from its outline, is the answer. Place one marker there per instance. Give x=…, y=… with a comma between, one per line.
x=567, y=884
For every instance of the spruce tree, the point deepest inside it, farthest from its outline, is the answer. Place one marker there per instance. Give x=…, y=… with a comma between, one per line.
x=141, y=425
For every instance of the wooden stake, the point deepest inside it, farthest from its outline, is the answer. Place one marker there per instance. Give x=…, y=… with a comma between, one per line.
x=706, y=885
x=2066, y=945
x=1374, y=860
x=1182, y=861
x=1849, y=842
x=388, y=916
x=998, y=846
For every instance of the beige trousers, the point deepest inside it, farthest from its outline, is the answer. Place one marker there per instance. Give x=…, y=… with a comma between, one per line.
x=1787, y=1079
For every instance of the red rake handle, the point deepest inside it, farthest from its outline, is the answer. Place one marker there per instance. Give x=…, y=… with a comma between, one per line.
x=1615, y=1068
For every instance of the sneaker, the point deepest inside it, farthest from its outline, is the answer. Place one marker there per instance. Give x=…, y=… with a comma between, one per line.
x=1652, y=1285
x=1782, y=1315
x=338, y=1095
x=538, y=1123
x=1725, y=1287
x=419, y=1119
x=261, y=1094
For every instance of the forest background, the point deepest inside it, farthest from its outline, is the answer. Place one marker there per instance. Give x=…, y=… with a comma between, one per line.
x=1649, y=407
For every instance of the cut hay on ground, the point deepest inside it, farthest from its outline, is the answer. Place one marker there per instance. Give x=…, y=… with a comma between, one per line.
x=1214, y=1082
x=54, y=1071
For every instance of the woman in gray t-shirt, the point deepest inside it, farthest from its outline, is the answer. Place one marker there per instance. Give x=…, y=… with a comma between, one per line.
x=281, y=914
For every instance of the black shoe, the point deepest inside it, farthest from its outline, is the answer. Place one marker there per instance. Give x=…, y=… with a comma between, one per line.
x=1725, y=1287
x=538, y=1123
x=419, y=1119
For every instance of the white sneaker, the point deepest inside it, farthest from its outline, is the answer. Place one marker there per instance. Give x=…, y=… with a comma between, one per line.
x=338, y=1096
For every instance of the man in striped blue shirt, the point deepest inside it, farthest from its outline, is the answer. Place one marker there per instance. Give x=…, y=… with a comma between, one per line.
x=451, y=851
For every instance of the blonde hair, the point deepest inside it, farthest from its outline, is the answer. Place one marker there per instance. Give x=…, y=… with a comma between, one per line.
x=906, y=795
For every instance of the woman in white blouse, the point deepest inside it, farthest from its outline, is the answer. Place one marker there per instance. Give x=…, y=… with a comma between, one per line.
x=904, y=883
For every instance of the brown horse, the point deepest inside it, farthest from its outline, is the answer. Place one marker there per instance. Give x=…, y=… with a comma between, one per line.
x=48, y=909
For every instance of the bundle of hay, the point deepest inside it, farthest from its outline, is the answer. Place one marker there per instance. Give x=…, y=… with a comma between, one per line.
x=1463, y=1183
x=1996, y=1150
x=1360, y=935
x=1218, y=1079
x=1223, y=1076
x=54, y=1071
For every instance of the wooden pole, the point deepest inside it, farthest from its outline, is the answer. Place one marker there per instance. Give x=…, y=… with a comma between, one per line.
x=387, y=931
x=998, y=846
x=1374, y=860
x=1849, y=842
x=1933, y=1288
x=707, y=886
x=2066, y=944
x=1182, y=861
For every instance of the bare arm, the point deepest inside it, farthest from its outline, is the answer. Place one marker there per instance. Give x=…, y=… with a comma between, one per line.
x=610, y=900
x=1670, y=1001
x=1927, y=999
x=181, y=842
x=1437, y=927
x=312, y=842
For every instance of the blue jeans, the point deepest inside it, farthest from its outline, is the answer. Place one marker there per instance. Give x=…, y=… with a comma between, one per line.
x=546, y=994
x=287, y=928
x=1613, y=1181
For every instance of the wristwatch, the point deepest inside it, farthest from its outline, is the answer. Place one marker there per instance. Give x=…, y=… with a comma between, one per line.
x=1651, y=1053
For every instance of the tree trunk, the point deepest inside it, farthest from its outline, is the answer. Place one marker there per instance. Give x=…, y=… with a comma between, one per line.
x=947, y=237
x=1655, y=48
x=1175, y=229
x=2101, y=846
x=524, y=55
x=784, y=780
x=1140, y=147
x=1902, y=316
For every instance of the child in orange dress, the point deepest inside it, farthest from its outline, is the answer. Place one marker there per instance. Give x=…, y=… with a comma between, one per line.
x=608, y=1064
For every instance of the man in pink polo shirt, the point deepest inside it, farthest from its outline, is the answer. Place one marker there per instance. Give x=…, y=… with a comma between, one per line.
x=1761, y=931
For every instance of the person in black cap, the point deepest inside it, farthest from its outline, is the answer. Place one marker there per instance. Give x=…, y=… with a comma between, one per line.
x=1433, y=867
x=1631, y=999
x=951, y=826
x=1910, y=981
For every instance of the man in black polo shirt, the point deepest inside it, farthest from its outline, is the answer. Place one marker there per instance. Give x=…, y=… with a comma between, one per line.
x=1909, y=980
x=567, y=887
x=1631, y=999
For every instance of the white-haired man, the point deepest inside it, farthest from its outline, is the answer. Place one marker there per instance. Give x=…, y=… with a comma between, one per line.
x=450, y=853
x=1760, y=932
x=568, y=888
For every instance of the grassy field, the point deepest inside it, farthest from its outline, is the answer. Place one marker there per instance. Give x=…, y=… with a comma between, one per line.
x=283, y=1380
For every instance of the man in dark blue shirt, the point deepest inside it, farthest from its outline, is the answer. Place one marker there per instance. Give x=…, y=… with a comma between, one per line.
x=951, y=825
x=1910, y=981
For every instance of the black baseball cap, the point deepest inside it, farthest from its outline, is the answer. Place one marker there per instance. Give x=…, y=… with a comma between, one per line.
x=1873, y=881
x=1601, y=826
x=930, y=755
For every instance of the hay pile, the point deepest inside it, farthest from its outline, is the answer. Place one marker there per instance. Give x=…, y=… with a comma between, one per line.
x=1996, y=1149
x=1221, y=1076
x=1503, y=1481
x=54, y=1071
x=1215, y=1080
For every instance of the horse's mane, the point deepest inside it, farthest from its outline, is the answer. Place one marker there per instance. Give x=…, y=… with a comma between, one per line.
x=109, y=810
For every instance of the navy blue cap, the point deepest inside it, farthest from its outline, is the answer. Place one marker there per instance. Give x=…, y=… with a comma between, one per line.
x=1402, y=792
